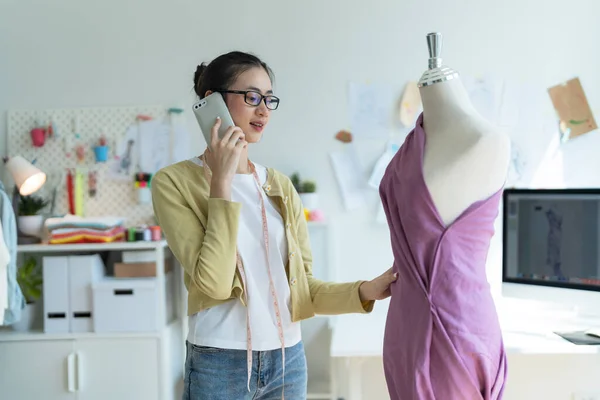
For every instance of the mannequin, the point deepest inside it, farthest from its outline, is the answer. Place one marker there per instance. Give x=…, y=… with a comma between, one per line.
x=466, y=158
x=440, y=194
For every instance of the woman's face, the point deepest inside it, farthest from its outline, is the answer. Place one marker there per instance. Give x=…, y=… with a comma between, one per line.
x=253, y=119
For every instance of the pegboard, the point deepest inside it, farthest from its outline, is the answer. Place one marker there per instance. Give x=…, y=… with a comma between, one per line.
x=84, y=126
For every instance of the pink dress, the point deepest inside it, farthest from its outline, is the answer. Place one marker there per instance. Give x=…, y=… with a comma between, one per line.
x=442, y=336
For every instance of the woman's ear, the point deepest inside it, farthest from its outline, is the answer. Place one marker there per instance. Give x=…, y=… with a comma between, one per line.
x=208, y=93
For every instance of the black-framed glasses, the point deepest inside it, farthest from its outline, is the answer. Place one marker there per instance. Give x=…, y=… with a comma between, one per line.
x=254, y=98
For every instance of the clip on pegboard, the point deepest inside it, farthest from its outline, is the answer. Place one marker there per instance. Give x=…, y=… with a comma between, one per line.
x=142, y=184
x=142, y=179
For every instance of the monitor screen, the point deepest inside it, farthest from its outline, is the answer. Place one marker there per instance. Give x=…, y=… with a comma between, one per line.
x=551, y=237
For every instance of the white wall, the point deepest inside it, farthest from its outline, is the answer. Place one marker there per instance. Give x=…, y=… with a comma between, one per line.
x=67, y=53
x=83, y=53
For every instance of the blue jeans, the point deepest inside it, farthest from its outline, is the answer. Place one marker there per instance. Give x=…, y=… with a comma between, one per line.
x=221, y=374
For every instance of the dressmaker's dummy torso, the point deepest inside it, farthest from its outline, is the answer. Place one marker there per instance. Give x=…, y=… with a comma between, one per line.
x=466, y=158
x=440, y=194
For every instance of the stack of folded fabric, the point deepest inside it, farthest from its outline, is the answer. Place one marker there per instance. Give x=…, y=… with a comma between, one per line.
x=74, y=229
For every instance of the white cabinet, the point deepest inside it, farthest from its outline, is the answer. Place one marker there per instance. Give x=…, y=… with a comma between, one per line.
x=76, y=365
x=117, y=369
x=36, y=370
x=80, y=369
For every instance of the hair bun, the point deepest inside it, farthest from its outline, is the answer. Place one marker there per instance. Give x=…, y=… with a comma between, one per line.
x=199, y=71
x=198, y=75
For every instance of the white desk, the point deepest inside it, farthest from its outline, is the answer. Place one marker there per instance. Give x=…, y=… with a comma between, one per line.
x=356, y=337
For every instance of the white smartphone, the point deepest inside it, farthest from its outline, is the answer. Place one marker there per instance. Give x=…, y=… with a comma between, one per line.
x=207, y=110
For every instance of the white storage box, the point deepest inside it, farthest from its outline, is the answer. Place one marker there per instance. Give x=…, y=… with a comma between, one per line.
x=67, y=292
x=83, y=272
x=139, y=256
x=125, y=305
x=56, y=294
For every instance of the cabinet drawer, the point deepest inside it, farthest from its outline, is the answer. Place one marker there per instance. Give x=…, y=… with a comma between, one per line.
x=125, y=305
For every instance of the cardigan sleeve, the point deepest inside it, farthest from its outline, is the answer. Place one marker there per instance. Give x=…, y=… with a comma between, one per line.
x=207, y=253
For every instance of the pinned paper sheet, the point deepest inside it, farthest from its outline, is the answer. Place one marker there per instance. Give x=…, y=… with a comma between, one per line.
x=382, y=164
x=149, y=145
x=410, y=104
x=380, y=218
x=351, y=181
x=572, y=107
x=527, y=117
x=486, y=95
x=372, y=109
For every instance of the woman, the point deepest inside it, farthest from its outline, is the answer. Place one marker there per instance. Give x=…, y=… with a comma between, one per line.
x=239, y=231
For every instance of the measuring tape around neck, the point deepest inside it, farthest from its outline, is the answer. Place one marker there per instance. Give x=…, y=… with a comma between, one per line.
x=240, y=266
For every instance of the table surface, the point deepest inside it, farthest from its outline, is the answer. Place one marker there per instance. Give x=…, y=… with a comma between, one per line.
x=361, y=335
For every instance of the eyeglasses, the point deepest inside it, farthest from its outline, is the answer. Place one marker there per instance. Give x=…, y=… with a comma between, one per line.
x=254, y=98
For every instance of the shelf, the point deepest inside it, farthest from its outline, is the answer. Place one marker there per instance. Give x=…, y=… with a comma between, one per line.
x=8, y=335
x=12, y=336
x=115, y=246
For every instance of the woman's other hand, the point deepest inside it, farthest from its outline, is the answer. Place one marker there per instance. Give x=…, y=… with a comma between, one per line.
x=378, y=288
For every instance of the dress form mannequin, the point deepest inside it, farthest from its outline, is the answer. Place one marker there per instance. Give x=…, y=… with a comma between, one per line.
x=440, y=194
x=466, y=158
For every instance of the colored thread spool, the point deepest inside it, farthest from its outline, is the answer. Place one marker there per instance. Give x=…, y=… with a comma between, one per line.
x=156, y=233
x=139, y=234
x=131, y=234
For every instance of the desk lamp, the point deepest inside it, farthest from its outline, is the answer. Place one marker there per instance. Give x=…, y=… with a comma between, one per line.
x=28, y=179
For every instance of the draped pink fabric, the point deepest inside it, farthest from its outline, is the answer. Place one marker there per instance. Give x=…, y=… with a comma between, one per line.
x=442, y=336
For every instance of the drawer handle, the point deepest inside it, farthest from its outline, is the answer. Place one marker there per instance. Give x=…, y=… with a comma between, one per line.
x=123, y=292
x=71, y=372
x=82, y=315
x=57, y=315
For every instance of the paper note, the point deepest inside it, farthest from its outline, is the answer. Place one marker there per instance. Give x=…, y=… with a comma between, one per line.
x=381, y=164
x=380, y=218
x=572, y=108
x=526, y=115
x=372, y=109
x=410, y=104
x=486, y=96
x=350, y=178
x=149, y=146
x=162, y=144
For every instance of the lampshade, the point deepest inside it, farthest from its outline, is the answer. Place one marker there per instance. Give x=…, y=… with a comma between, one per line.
x=27, y=177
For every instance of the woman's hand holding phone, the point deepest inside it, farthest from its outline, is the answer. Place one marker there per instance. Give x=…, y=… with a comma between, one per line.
x=223, y=157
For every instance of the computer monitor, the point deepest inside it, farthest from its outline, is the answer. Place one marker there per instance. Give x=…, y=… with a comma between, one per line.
x=551, y=247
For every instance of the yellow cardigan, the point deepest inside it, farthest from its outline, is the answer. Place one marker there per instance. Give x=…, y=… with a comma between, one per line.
x=202, y=234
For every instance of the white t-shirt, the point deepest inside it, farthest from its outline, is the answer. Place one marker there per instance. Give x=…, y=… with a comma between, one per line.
x=224, y=326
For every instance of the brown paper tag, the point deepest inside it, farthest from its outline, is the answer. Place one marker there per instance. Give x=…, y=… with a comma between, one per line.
x=572, y=107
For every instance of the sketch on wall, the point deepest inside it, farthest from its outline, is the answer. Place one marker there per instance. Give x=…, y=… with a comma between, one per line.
x=148, y=146
x=522, y=110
